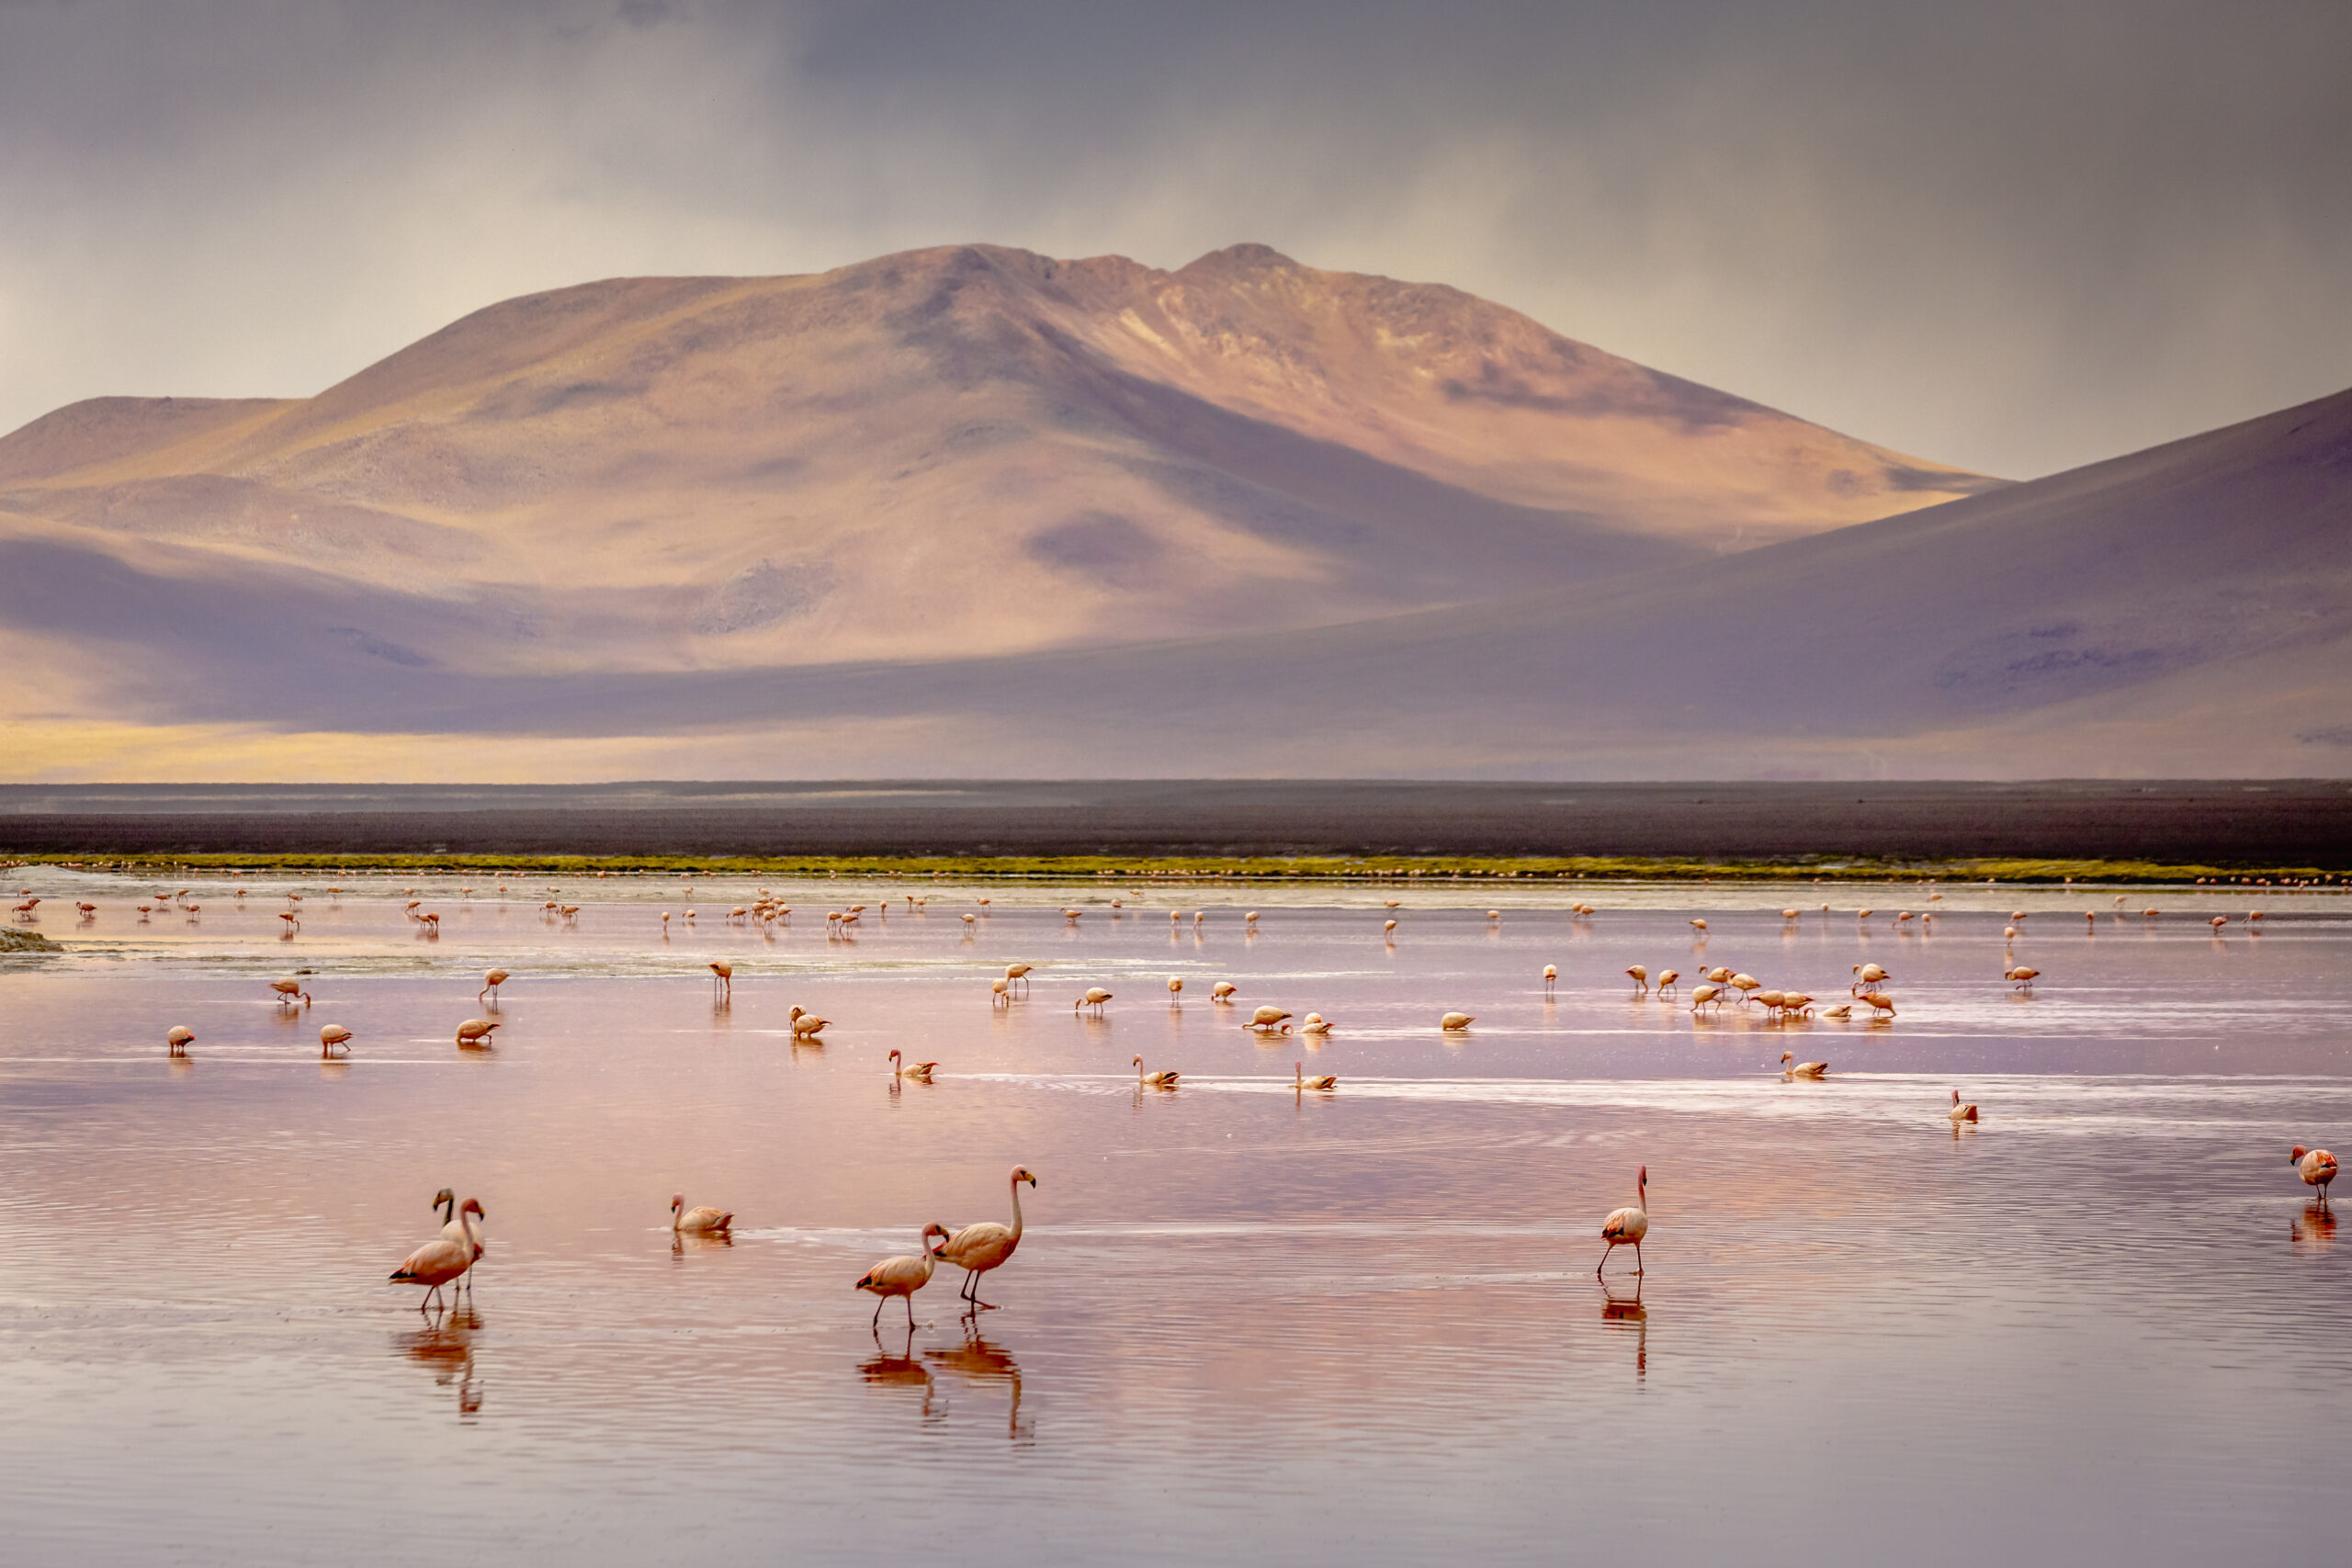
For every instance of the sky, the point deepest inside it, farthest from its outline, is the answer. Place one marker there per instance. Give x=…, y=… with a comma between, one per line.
x=2014, y=237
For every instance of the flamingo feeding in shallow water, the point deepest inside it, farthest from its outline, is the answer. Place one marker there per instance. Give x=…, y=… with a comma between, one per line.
x=2316, y=1167
x=490, y=984
x=978, y=1248
x=917, y=1072
x=1961, y=1113
x=1165, y=1078
x=331, y=1039
x=1626, y=1226
x=475, y=1031
x=1793, y=1068
x=902, y=1277
x=1325, y=1083
x=289, y=992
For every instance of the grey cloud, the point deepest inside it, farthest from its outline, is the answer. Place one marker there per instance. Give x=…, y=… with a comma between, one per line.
x=2011, y=236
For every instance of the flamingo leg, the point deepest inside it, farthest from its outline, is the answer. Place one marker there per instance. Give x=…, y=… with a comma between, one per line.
x=909, y=1299
x=878, y=1305
x=1637, y=1258
x=1604, y=1259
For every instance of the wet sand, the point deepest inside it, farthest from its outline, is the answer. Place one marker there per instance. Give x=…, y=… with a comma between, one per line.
x=1246, y=1323
x=2225, y=822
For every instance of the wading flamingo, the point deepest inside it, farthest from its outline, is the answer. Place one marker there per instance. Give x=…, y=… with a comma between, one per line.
x=333, y=1038
x=919, y=1071
x=1223, y=991
x=1095, y=996
x=1019, y=974
x=1325, y=1083
x=1164, y=1078
x=1175, y=988
x=1880, y=1003
x=1641, y=979
x=1000, y=992
x=1793, y=1068
x=180, y=1039
x=1867, y=975
x=289, y=992
x=2316, y=1167
x=723, y=978
x=2022, y=976
x=490, y=984
x=1267, y=1018
x=1626, y=1227
x=806, y=1024
x=902, y=1277
x=442, y=1260
x=446, y=1201
x=1315, y=1023
x=978, y=1248
x=1665, y=981
x=1959, y=1112
x=475, y=1031
x=1550, y=977
x=1455, y=1021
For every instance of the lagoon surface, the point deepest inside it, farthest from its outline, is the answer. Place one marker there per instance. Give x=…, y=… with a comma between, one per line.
x=1245, y=1325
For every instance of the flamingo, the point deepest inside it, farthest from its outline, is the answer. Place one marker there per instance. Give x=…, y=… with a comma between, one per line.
x=1000, y=992
x=1018, y=974
x=919, y=1072
x=1266, y=1018
x=1746, y=985
x=1793, y=1068
x=2022, y=976
x=806, y=1024
x=1626, y=1226
x=1867, y=975
x=1455, y=1021
x=1550, y=977
x=490, y=981
x=475, y=1031
x=1960, y=1112
x=702, y=1221
x=180, y=1039
x=902, y=1277
x=1315, y=1023
x=1388, y=928
x=331, y=1039
x=1323, y=1084
x=442, y=1260
x=1641, y=979
x=290, y=991
x=1223, y=991
x=1843, y=1009
x=1880, y=1003
x=723, y=974
x=1665, y=980
x=2316, y=1167
x=1095, y=996
x=1699, y=926
x=978, y=1248
x=1164, y=1078
x=1175, y=987
x=1705, y=996
x=446, y=1201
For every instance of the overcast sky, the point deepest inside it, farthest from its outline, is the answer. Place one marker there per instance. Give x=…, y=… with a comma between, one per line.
x=2014, y=237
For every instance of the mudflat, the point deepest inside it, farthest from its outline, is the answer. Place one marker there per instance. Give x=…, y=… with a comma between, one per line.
x=2222, y=822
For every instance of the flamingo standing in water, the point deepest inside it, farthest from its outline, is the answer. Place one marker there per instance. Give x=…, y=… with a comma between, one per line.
x=1793, y=1068
x=1550, y=977
x=475, y=1031
x=1095, y=996
x=331, y=1039
x=1325, y=1082
x=289, y=992
x=180, y=1039
x=490, y=984
x=902, y=1277
x=978, y=1248
x=1960, y=1112
x=917, y=1072
x=1164, y=1078
x=442, y=1260
x=1453, y=1022
x=1626, y=1227
x=2316, y=1167
x=1019, y=974
x=1641, y=979
x=723, y=976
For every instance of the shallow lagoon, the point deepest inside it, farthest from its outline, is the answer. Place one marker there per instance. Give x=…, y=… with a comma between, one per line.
x=1245, y=1323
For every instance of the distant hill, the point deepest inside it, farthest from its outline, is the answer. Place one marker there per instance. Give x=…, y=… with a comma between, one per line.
x=949, y=453
x=978, y=513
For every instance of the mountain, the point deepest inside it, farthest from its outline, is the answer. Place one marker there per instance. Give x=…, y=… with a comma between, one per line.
x=952, y=453
x=1244, y=534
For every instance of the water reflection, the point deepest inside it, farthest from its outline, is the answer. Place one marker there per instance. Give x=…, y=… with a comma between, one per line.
x=1627, y=1314
x=984, y=1363
x=2315, y=1228
x=446, y=1345
x=899, y=1369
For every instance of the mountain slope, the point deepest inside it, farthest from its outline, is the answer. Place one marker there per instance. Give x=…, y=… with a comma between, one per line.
x=952, y=453
x=2185, y=611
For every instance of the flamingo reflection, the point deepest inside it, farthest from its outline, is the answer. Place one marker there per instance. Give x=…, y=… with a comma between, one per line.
x=1624, y=1312
x=2315, y=1228
x=447, y=1346
x=900, y=1369
x=981, y=1362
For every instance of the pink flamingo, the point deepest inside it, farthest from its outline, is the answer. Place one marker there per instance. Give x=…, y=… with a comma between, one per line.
x=1626, y=1227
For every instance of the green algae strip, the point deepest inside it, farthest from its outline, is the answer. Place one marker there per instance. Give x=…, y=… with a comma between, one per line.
x=1235, y=868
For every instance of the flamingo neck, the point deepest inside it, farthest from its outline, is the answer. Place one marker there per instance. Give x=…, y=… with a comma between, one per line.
x=1016, y=1210
x=466, y=1219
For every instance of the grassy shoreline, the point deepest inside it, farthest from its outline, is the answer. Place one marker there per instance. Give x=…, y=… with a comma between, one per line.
x=1255, y=869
